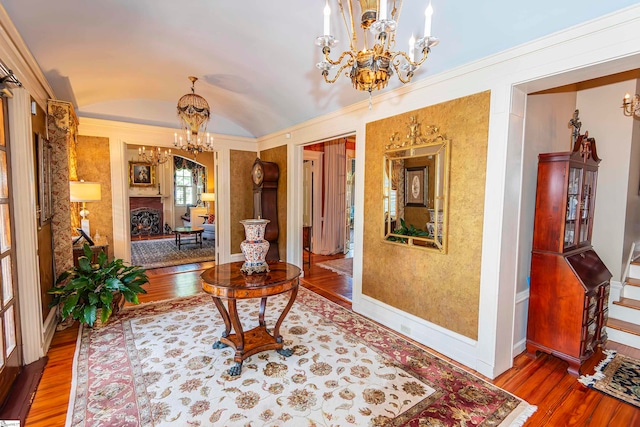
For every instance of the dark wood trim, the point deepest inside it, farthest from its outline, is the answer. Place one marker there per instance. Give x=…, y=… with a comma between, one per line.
x=18, y=402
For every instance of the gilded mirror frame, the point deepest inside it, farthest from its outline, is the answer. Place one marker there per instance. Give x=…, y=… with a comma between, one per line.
x=426, y=225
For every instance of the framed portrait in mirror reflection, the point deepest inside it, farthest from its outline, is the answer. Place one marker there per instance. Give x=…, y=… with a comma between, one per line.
x=415, y=184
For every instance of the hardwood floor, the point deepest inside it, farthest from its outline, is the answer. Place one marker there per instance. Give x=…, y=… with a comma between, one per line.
x=543, y=381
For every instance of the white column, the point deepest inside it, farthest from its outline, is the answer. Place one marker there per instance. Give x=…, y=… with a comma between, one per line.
x=23, y=177
x=120, y=198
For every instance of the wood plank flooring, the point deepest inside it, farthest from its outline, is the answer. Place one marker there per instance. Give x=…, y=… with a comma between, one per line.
x=543, y=381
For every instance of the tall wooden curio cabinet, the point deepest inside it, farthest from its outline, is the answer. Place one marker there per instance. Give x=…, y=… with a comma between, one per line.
x=569, y=283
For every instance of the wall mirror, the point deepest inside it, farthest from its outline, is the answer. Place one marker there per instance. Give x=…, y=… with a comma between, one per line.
x=415, y=189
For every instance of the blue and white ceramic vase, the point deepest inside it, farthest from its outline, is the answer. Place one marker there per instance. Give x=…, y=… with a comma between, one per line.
x=254, y=247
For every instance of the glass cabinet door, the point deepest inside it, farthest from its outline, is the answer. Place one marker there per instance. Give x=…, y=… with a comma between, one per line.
x=573, y=201
x=586, y=206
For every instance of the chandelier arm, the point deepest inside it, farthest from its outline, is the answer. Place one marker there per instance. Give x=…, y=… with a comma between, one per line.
x=399, y=74
x=339, y=61
x=425, y=53
x=337, y=75
x=412, y=66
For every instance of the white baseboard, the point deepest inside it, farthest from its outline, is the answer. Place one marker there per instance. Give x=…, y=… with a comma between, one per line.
x=49, y=329
x=458, y=347
x=615, y=292
x=520, y=323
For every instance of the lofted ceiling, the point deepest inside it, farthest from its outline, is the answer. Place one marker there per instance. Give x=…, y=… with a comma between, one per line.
x=129, y=60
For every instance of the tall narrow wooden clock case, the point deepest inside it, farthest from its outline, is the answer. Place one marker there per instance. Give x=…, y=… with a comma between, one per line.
x=264, y=176
x=569, y=292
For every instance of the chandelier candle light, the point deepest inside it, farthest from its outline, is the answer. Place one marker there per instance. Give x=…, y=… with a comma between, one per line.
x=631, y=106
x=194, y=114
x=372, y=67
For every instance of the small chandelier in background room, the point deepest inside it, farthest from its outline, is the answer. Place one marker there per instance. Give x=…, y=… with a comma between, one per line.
x=371, y=67
x=194, y=114
x=631, y=106
x=156, y=156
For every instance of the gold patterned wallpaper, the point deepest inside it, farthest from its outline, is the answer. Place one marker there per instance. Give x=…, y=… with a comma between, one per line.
x=94, y=165
x=278, y=155
x=441, y=288
x=241, y=194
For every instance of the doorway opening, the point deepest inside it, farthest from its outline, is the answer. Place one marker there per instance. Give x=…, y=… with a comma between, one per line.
x=328, y=213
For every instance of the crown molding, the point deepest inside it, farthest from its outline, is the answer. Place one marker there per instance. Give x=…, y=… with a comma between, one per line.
x=157, y=136
x=18, y=58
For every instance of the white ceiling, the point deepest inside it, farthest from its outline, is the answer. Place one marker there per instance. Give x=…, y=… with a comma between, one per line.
x=128, y=60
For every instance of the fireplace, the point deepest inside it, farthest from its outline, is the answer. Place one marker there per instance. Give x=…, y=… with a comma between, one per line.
x=146, y=216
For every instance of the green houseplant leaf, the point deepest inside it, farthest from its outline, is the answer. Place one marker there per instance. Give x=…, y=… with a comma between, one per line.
x=406, y=231
x=86, y=288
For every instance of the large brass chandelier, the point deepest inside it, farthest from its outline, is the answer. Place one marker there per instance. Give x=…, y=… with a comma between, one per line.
x=194, y=114
x=371, y=67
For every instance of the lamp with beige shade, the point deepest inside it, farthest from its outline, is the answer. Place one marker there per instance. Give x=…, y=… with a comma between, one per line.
x=209, y=223
x=209, y=198
x=82, y=192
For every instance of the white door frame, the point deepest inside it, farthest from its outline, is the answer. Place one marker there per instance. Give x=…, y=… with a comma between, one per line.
x=316, y=158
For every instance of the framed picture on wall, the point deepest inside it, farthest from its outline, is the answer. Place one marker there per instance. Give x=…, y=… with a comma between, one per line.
x=415, y=186
x=141, y=174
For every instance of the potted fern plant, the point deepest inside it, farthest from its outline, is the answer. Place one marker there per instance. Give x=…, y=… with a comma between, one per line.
x=86, y=288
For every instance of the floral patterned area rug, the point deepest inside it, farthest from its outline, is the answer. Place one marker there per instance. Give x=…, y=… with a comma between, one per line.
x=165, y=253
x=154, y=365
x=618, y=376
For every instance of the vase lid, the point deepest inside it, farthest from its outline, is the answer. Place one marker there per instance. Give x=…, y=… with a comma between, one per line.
x=255, y=221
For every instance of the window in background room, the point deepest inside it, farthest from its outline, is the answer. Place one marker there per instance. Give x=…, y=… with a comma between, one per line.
x=393, y=196
x=184, y=187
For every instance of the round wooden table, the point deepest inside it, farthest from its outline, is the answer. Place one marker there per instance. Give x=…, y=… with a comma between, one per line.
x=196, y=231
x=226, y=281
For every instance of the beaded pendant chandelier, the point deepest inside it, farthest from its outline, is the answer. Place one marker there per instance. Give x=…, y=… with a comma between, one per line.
x=194, y=114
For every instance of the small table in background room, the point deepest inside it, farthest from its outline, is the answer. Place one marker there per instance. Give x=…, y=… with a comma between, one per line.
x=195, y=231
x=228, y=282
x=78, y=251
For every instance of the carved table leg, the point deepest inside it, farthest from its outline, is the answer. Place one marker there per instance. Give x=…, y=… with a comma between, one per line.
x=263, y=307
x=239, y=334
x=227, y=323
x=276, y=331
